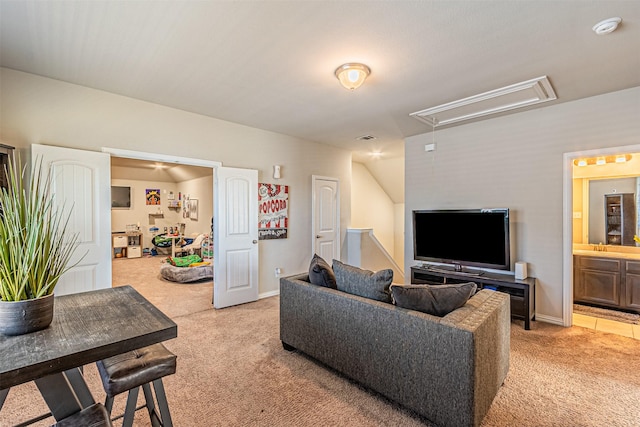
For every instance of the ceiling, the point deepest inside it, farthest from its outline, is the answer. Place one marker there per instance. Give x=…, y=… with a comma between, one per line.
x=145, y=170
x=270, y=64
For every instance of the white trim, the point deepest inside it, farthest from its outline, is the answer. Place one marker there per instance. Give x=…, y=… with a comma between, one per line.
x=165, y=158
x=269, y=294
x=550, y=319
x=534, y=91
x=567, y=222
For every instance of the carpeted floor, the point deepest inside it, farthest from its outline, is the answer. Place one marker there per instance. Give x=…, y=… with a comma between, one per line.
x=232, y=371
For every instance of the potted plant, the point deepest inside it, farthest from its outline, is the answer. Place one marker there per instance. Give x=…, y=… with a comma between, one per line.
x=36, y=247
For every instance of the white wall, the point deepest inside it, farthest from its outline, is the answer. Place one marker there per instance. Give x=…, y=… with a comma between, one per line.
x=46, y=111
x=371, y=207
x=516, y=162
x=202, y=190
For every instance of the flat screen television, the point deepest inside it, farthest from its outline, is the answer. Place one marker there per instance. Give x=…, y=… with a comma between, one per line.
x=120, y=197
x=469, y=237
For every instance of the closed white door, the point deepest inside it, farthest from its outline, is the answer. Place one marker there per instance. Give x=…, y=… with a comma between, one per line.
x=326, y=218
x=236, y=237
x=80, y=182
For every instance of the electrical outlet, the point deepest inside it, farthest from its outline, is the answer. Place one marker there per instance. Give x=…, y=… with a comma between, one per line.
x=577, y=215
x=278, y=271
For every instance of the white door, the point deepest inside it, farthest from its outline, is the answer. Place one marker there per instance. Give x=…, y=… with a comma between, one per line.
x=326, y=218
x=80, y=181
x=236, y=237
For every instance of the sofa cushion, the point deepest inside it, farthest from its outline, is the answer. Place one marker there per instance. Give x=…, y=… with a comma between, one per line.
x=364, y=283
x=320, y=273
x=437, y=300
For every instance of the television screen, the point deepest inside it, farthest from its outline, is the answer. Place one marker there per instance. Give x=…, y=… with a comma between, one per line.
x=120, y=197
x=477, y=237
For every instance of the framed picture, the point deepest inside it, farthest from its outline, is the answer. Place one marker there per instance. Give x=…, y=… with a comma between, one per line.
x=153, y=196
x=273, y=214
x=193, y=209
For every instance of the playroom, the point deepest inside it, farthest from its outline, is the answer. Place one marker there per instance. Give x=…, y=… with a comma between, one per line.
x=161, y=218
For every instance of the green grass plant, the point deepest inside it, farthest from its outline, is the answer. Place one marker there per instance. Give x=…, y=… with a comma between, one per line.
x=36, y=244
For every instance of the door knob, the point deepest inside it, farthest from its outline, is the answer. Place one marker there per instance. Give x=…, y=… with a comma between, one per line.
x=318, y=236
x=254, y=242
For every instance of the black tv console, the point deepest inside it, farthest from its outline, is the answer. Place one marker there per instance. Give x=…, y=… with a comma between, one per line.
x=522, y=292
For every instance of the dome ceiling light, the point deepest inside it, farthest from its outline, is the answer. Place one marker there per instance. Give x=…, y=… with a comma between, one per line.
x=607, y=26
x=352, y=75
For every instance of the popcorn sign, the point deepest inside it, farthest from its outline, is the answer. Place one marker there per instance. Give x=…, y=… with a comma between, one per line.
x=273, y=205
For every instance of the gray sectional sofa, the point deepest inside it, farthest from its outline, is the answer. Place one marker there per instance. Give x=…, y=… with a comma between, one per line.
x=447, y=369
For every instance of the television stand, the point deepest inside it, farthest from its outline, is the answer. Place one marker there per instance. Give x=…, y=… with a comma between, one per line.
x=522, y=292
x=457, y=270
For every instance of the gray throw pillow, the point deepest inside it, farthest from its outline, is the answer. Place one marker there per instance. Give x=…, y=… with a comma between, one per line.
x=320, y=273
x=364, y=283
x=432, y=299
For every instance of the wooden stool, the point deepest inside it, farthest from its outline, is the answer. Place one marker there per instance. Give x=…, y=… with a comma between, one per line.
x=95, y=415
x=132, y=370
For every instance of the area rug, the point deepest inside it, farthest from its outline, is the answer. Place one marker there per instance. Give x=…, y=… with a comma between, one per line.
x=603, y=313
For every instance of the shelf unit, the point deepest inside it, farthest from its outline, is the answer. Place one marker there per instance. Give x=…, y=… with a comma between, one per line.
x=128, y=245
x=620, y=218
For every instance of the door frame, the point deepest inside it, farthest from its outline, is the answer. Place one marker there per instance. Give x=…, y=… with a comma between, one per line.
x=567, y=216
x=314, y=179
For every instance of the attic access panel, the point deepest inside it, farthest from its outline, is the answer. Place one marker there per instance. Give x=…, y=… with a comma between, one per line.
x=518, y=95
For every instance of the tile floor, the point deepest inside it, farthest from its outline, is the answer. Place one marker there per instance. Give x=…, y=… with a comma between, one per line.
x=605, y=325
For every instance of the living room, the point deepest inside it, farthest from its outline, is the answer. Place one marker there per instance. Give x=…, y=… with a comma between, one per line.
x=519, y=160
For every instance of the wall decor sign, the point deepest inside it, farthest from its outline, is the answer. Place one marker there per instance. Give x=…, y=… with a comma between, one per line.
x=193, y=209
x=273, y=206
x=153, y=196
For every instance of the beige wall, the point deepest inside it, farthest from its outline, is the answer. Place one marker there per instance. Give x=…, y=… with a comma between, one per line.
x=516, y=162
x=202, y=190
x=199, y=188
x=45, y=111
x=371, y=207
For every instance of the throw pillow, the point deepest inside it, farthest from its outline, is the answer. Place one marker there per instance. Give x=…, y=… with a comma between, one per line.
x=432, y=299
x=364, y=283
x=320, y=273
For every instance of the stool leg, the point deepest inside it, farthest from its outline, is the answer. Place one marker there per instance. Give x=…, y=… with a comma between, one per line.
x=108, y=403
x=151, y=408
x=130, y=410
x=163, y=405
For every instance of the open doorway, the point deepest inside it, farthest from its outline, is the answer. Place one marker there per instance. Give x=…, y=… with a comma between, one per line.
x=577, y=215
x=160, y=212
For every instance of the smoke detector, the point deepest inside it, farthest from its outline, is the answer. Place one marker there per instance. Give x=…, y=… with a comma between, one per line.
x=607, y=26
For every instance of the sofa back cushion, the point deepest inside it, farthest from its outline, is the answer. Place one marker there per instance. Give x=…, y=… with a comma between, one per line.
x=320, y=273
x=363, y=283
x=437, y=300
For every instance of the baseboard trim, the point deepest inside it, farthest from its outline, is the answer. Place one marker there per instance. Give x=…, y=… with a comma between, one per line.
x=269, y=294
x=550, y=319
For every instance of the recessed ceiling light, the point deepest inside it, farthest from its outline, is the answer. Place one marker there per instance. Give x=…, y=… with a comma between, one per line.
x=607, y=26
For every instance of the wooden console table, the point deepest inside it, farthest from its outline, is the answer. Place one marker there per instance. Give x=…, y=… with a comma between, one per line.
x=522, y=292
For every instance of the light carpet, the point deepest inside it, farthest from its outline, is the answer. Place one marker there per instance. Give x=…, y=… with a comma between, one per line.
x=232, y=371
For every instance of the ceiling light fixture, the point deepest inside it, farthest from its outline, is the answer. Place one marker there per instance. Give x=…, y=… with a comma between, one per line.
x=607, y=26
x=352, y=75
x=602, y=160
